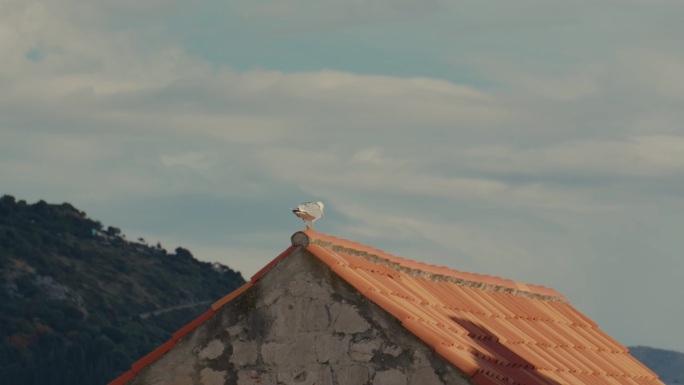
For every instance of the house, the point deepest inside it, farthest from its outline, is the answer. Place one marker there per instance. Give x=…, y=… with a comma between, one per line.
x=328, y=311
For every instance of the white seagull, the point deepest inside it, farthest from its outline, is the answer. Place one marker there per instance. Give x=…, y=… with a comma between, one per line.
x=309, y=212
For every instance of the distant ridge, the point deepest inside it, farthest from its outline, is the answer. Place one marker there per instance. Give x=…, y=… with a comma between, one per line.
x=668, y=364
x=80, y=302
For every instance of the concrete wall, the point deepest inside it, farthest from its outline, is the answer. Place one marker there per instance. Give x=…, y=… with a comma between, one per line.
x=300, y=325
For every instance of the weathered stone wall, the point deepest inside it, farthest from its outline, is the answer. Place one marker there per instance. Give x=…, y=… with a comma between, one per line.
x=300, y=324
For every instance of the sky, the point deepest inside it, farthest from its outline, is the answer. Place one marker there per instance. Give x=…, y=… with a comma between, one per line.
x=537, y=140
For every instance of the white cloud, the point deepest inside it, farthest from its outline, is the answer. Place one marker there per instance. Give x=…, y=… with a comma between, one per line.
x=193, y=160
x=366, y=169
x=660, y=72
x=646, y=155
x=308, y=15
x=372, y=171
x=105, y=78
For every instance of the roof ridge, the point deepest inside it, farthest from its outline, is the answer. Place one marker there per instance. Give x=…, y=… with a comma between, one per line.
x=429, y=271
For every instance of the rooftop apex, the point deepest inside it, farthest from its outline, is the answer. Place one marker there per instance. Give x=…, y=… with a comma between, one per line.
x=436, y=273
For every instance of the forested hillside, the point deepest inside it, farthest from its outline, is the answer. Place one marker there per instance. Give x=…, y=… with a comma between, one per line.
x=79, y=303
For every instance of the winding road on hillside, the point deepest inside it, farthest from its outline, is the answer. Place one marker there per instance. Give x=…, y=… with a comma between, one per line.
x=172, y=308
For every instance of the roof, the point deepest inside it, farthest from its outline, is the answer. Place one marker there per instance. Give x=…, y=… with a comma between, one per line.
x=495, y=330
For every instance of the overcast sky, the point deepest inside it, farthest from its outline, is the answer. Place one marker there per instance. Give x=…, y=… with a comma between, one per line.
x=538, y=140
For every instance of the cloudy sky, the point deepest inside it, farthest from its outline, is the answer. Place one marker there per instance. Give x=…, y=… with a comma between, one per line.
x=537, y=140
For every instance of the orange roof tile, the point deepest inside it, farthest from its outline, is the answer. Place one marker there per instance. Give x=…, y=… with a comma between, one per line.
x=122, y=379
x=193, y=324
x=218, y=304
x=497, y=331
x=148, y=359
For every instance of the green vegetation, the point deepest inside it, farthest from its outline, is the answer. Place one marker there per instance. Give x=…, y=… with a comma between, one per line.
x=75, y=299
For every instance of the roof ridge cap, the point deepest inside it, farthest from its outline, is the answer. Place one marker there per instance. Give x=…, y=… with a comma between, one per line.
x=310, y=236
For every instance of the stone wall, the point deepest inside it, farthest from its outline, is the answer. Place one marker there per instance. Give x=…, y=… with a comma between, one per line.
x=300, y=325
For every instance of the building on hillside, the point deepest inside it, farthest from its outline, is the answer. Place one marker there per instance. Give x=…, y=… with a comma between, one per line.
x=332, y=312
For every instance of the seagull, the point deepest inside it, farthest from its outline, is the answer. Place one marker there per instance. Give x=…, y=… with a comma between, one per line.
x=309, y=212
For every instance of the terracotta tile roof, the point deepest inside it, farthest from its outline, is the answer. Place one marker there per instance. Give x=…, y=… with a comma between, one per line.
x=497, y=331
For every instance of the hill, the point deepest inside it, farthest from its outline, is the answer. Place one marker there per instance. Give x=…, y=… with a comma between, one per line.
x=669, y=365
x=79, y=303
